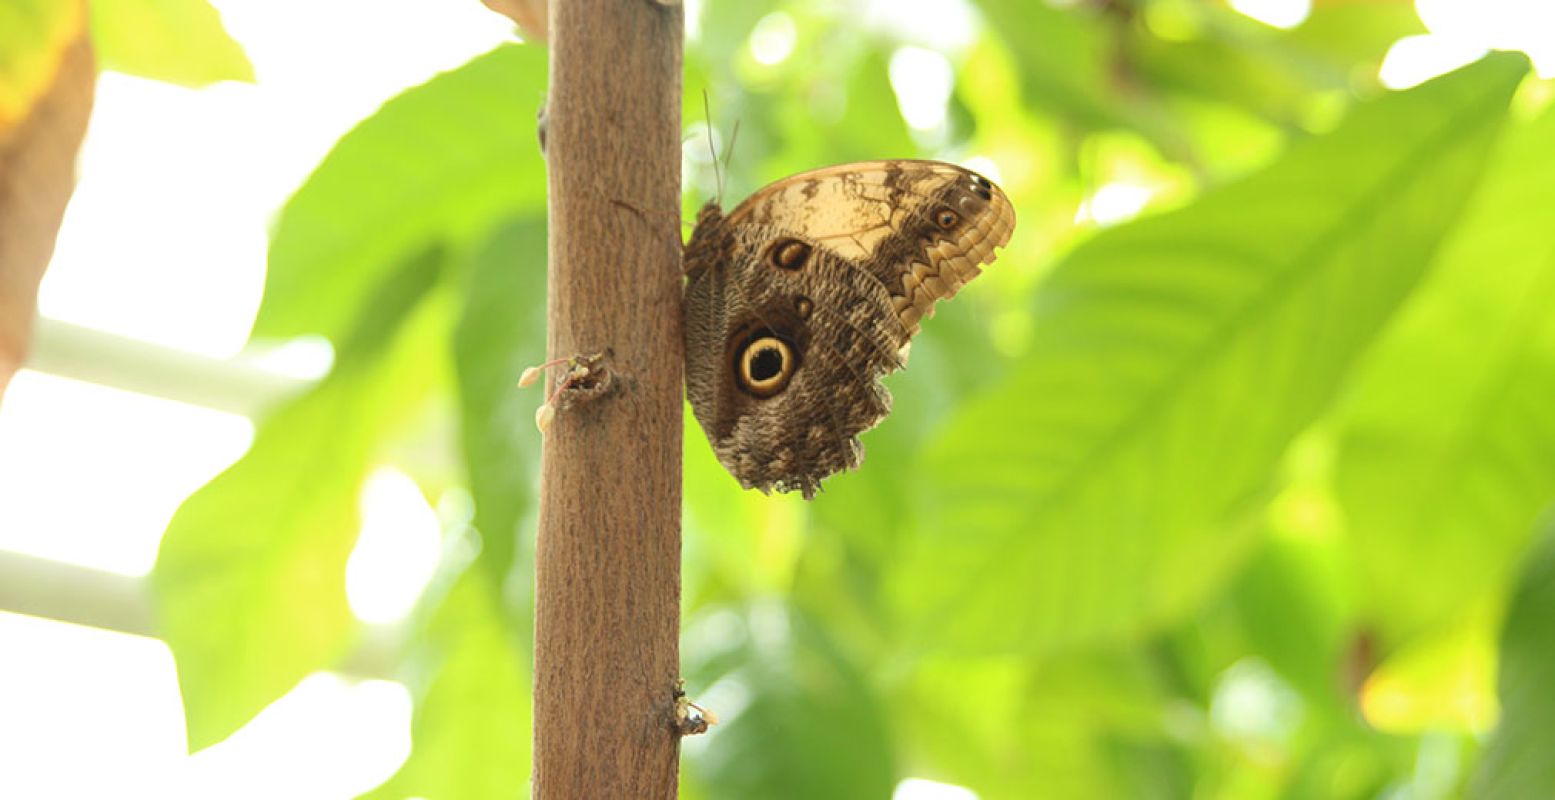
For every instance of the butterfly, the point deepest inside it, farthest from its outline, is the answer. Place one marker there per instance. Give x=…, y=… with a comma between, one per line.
x=799, y=300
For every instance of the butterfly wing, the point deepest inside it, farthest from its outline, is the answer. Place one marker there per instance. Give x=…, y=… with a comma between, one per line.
x=800, y=300
x=923, y=228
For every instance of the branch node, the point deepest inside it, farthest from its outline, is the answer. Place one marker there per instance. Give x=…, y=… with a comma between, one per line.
x=685, y=722
x=588, y=378
x=542, y=122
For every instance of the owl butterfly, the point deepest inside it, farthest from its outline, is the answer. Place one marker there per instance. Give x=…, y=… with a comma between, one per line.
x=801, y=298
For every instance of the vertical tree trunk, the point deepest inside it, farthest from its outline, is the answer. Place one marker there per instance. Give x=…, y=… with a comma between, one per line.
x=608, y=560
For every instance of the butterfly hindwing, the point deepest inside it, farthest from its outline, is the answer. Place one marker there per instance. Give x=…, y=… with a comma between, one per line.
x=807, y=293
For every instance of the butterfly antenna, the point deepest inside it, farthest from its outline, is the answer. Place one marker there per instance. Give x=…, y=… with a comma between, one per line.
x=729, y=152
x=707, y=120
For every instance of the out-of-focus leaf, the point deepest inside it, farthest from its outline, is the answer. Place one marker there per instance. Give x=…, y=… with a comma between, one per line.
x=1275, y=74
x=250, y=579
x=1443, y=681
x=854, y=120
x=442, y=162
x=47, y=77
x=1070, y=69
x=179, y=41
x=469, y=668
x=952, y=358
x=500, y=332
x=737, y=543
x=812, y=727
x=1063, y=56
x=470, y=734
x=1446, y=458
x=1089, y=496
x=857, y=521
x=1288, y=607
x=33, y=37
x=1235, y=70
x=1517, y=763
x=1079, y=726
x=1353, y=35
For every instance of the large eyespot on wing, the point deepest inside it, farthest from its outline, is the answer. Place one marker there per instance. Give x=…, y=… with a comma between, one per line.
x=805, y=343
x=923, y=228
x=764, y=364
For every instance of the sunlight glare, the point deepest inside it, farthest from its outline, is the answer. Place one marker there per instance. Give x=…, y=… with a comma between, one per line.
x=923, y=789
x=1414, y=60
x=100, y=471
x=1113, y=203
x=164, y=239
x=1278, y=13
x=397, y=551
x=923, y=81
x=1526, y=25
x=772, y=39
x=1252, y=705
x=86, y=712
x=945, y=25
x=304, y=358
x=327, y=737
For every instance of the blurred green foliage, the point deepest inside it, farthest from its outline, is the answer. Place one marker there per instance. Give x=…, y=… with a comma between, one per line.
x=1238, y=499
x=180, y=41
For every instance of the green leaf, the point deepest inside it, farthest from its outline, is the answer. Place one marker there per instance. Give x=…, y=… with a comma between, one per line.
x=33, y=35
x=250, y=579
x=443, y=162
x=1228, y=68
x=1354, y=35
x=178, y=41
x=501, y=330
x=1095, y=493
x=471, y=729
x=469, y=668
x=1447, y=439
x=1073, y=727
x=1517, y=763
x=812, y=727
x=1068, y=69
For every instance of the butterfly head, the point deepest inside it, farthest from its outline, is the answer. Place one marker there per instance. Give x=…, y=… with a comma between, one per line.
x=710, y=215
x=707, y=239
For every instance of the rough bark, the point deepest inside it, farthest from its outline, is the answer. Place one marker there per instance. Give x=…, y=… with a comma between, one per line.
x=608, y=560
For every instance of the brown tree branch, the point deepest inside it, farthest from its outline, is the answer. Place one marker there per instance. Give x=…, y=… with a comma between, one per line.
x=608, y=555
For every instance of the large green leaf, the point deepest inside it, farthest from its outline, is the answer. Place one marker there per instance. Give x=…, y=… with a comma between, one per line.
x=443, y=162
x=805, y=723
x=179, y=41
x=470, y=734
x=1081, y=726
x=1354, y=35
x=470, y=737
x=250, y=579
x=1446, y=451
x=1092, y=494
x=501, y=330
x=1517, y=763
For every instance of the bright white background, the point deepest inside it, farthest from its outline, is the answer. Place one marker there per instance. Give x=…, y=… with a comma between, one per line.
x=165, y=242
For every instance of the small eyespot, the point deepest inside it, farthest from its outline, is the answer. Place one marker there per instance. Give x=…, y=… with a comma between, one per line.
x=788, y=254
x=803, y=307
x=764, y=366
x=946, y=219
